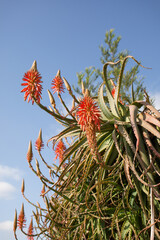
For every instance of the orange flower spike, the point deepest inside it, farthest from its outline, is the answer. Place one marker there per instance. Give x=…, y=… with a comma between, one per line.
x=29, y=153
x=21, y=219
x=59, y=150
x=33, y=87
x=30, y=231
x=57, y=83
x=88, y=115
x=39, y=143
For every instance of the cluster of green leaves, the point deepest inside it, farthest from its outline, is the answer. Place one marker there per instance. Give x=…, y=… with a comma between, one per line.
x=119, y=199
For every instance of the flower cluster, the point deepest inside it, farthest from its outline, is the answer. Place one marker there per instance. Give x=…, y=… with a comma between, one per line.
x=21, y=219
x=30, y=230
x=39, y=143
x=88, y=115
x=33, y=87
x=57, y=84
x=59, y=151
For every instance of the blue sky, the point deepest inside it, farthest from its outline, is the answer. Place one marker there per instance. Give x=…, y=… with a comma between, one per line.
x=63, y=35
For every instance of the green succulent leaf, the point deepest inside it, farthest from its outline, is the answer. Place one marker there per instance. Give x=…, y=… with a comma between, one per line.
x=104, y=108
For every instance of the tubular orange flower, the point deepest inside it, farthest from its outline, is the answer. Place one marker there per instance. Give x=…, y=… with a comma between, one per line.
x=57, y=83
x=30, y=230
x=88, y=116
x=21, y=219
x=33, y=87
x=39, y=143
x=59, y=150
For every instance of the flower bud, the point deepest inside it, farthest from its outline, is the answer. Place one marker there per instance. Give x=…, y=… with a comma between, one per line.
x=29, y=153
x=58, y=74
x=66, y=84
x=83, y=89
x=51, y=98
x=37, y=168
x=87, y=93
x=22, y=187
x=34, y=66
x=73, y=105
x=15, y=221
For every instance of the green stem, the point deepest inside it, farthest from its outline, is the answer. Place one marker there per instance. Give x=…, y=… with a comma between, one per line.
x=69, y=112
x=56, y=116
x=15, y=235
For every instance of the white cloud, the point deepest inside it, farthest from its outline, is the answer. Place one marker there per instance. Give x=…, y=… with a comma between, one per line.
x=6, y=190
x=6, y=226
x=9, y=172
x=156, y=96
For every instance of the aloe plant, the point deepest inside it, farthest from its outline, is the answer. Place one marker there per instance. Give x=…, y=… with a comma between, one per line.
x=107, y=183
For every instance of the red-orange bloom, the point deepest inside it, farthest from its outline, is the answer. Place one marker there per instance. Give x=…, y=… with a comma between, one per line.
x=59, y=150
x=33, y=87
x=21, y=219
x=39, y=143
x=88, y=113
x=113, y=92
x=58, y=85
x=30, y=231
